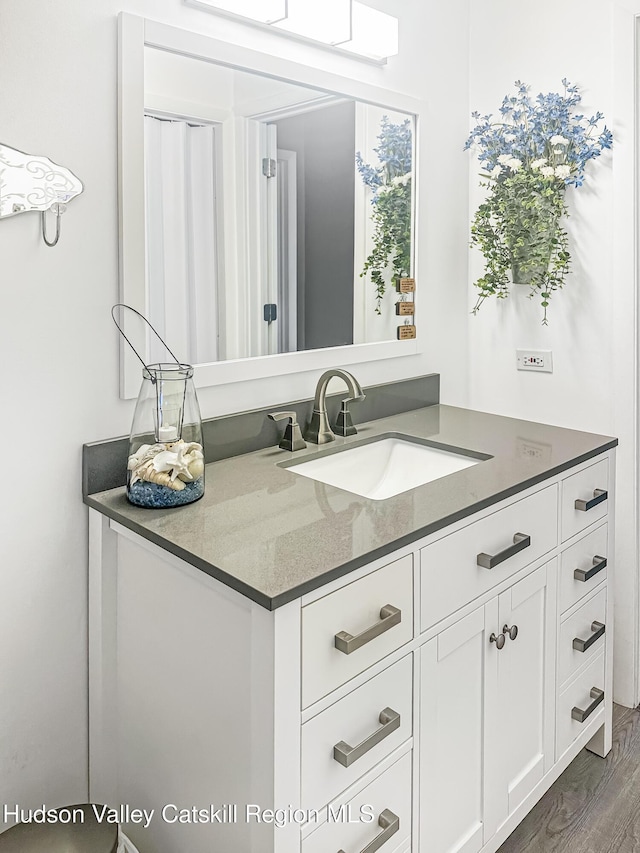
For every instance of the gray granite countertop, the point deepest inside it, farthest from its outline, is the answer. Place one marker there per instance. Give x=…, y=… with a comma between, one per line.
x=274, y=535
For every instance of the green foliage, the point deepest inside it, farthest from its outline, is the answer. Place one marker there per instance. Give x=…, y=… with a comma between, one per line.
x=517, y=228
x=391, y=203
x=531, y=154
x=391, y=238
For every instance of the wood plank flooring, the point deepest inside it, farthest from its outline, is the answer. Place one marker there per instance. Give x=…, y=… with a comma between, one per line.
x=594, y=807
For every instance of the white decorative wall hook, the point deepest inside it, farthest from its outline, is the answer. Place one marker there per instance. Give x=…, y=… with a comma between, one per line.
x=29, y=182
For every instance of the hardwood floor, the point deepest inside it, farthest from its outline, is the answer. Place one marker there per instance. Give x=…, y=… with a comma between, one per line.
x=594, y=807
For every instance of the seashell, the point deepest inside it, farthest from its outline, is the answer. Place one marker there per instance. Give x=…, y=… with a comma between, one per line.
x=162, y=478
x=144, y=452
x=196, y=468
x=173, y=461
x=141, y=458
x=177, y=461
x=192, y=447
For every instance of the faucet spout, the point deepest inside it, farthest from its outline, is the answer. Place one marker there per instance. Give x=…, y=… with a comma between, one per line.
x=319, y=430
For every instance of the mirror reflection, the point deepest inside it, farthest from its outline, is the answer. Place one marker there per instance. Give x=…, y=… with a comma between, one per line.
x=277, y=216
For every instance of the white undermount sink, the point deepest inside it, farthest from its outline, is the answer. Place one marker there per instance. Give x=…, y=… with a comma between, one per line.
x=385, y=467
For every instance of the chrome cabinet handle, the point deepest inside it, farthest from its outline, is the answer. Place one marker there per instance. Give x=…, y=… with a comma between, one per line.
x=499, y=640
x=347, y=755
x=489, y=561
x=582, y=645
x=599, y=563
x=347, y=643
x=390, y=823
x=599, y=495
x=511, y=632
x=581, y=715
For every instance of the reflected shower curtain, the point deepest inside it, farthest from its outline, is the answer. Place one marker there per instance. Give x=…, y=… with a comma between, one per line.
x=182, y=257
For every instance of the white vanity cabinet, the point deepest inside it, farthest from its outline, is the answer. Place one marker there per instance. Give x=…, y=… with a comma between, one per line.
x=421, y=703
x=486, y=714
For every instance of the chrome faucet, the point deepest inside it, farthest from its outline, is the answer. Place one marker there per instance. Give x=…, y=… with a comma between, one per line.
x=319, y=431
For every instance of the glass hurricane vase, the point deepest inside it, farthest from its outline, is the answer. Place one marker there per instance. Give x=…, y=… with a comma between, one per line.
x=166, y=457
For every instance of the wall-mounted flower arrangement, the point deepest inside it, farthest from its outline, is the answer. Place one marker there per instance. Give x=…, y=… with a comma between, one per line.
x=530, y=155
x=390, y=257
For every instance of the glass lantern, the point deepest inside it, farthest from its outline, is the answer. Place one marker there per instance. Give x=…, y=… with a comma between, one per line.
x=165, y=467
x=166, y=459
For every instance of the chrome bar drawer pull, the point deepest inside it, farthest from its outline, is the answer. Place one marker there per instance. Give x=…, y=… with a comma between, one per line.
x=599, y=495
x=582, y=645
x=390, y=823
x=581, y=715
x=599, y=563
x=347, y=755
x=489, y=561
x=347, y=643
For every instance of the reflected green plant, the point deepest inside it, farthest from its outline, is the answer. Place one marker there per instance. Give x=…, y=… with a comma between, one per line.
x=390, y=181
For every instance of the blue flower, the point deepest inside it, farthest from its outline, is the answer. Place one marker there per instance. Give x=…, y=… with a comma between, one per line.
x=526, y=126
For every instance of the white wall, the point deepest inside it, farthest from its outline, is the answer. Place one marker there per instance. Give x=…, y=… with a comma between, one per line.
x=592, y=320
x=60, y=380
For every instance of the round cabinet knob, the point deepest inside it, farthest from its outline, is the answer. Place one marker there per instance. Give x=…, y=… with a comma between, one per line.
x=499, y=640
x=511, y=631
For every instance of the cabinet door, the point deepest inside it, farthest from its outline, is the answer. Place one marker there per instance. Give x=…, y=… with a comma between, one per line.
x=452, y=687
x=519, y=720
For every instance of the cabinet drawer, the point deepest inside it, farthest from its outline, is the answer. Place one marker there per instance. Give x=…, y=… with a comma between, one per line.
x=451, y=576
x=389, y=796
x=580, y=627
x=587, y=488
x=578, y=695
x=367, y=630
x=357, y=719
x=581, y=567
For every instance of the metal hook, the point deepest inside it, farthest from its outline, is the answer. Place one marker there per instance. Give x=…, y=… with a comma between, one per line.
x=119, y=327
x=58, y=209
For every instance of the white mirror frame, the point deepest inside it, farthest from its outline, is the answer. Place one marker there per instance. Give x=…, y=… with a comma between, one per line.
x=134, y=34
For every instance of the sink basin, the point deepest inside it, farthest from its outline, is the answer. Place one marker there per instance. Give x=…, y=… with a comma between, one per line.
x=386, y=466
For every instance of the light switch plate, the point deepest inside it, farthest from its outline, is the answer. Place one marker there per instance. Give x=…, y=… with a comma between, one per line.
x=537, y=360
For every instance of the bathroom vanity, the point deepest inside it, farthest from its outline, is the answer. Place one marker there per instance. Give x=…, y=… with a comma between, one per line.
x=405, y=674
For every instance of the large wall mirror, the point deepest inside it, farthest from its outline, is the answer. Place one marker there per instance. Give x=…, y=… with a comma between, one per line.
x=265, y=208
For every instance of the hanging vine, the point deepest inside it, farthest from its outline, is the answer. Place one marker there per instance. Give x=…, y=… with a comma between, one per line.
x=390, y=182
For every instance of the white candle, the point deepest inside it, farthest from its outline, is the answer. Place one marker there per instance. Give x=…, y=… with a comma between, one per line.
x=167, y=433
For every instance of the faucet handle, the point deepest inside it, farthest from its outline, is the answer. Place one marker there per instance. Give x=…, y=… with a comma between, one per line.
x=292, y=438
x=358, y=399
x=344, y=423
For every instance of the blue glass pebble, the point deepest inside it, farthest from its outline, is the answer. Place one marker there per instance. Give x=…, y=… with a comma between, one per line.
x=153, y=496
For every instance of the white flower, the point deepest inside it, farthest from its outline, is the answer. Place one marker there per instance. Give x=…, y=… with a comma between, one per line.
x=537, y=164
x=548, y=171
x=514, y=164
x=563, y=172
x=504, y=159
x=401, y=180
x=495, y=172
x=558, y=140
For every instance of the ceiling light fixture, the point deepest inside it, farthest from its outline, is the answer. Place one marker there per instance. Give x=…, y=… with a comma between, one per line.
x=346, y=25
x=328, y=22
x=375, y=34
x=261, y=11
